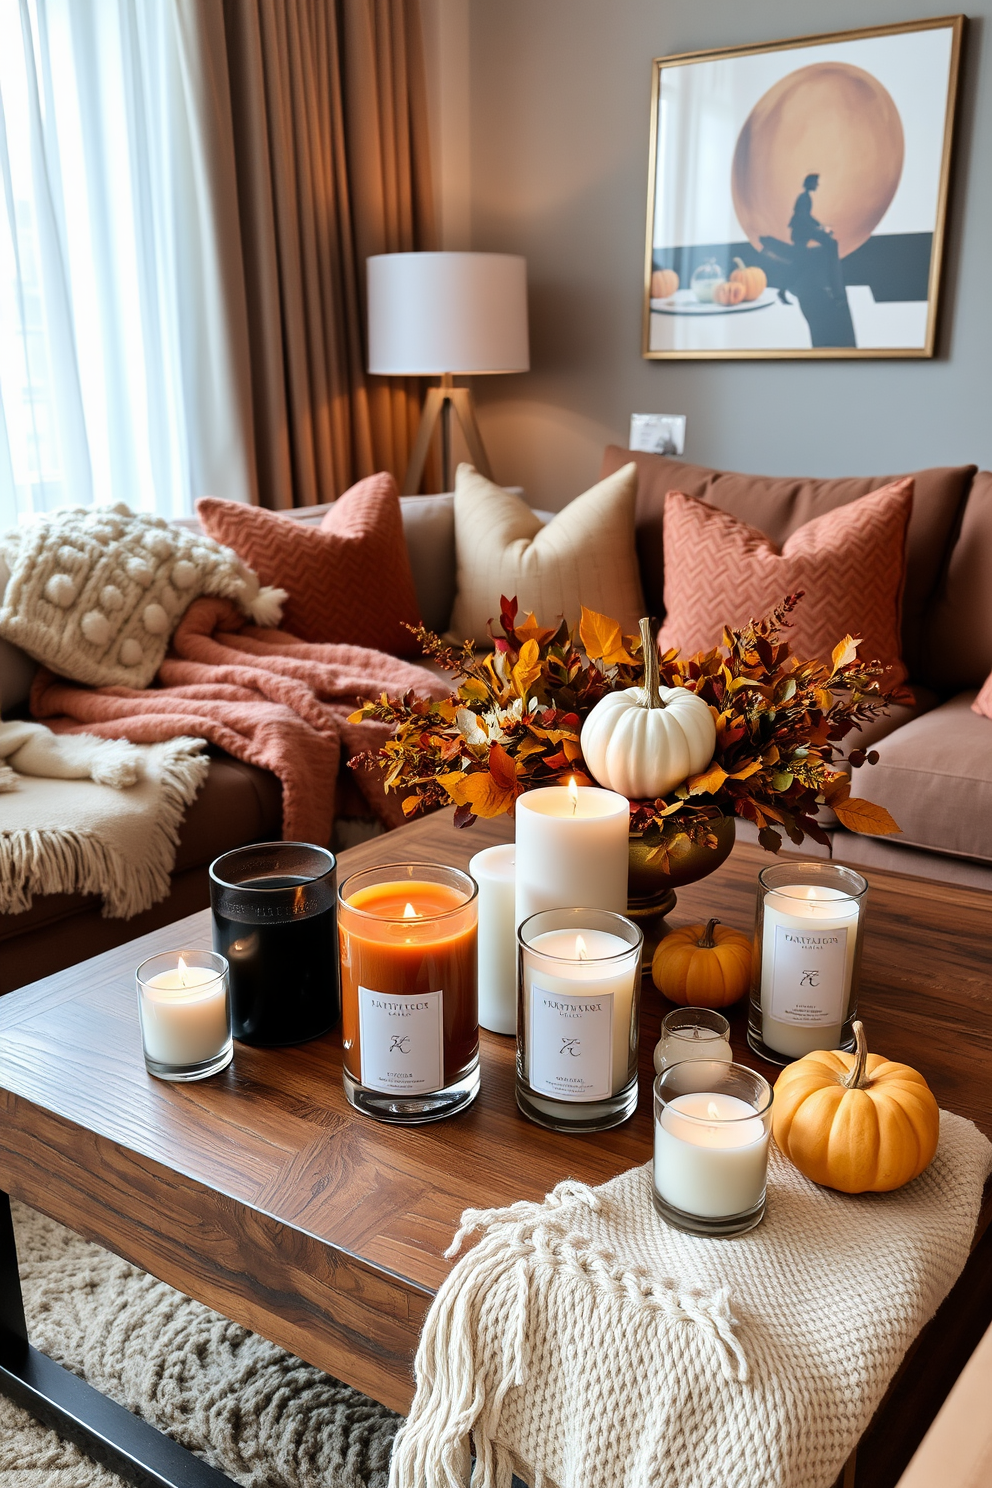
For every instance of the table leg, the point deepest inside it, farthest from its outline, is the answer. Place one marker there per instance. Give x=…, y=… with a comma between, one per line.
x=101, y=1428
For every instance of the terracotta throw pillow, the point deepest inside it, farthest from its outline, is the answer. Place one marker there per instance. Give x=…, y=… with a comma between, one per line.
x=850, y=563
x=349, y=580
x=584, y=556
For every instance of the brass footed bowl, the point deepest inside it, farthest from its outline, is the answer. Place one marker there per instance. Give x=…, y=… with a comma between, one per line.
x=651, y=885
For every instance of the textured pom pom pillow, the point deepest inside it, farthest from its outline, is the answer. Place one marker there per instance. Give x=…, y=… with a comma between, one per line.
x=850, y=563
x=348, y=580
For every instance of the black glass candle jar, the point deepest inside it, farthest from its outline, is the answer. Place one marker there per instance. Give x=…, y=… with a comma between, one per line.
x=275, y=919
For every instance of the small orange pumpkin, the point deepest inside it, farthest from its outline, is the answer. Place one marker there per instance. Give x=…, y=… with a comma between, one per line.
x=703, y=966
x=664, y=282
x=754, y=280
x=855, y=1122
x=730, y=292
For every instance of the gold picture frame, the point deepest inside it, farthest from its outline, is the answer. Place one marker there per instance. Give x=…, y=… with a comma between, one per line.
x=857, y=127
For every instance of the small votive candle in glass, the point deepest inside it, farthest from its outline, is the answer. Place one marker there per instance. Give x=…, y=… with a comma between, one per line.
x=692, y=1033
x=577, y=1022
x=409, y=1008
x=807, y=954
x=712, y=1122
x=184, y=1010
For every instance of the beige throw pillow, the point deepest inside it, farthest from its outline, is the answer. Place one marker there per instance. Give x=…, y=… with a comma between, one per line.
x=584, y=556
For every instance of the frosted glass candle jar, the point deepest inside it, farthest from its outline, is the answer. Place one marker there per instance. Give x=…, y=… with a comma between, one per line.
x=712, y=1123
x=807, y=953
x=184, y=1010
x=577, y=1020
x=572, y=849
x=692, y=1033
x=493, y=871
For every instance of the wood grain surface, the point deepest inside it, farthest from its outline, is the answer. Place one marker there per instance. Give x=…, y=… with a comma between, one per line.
x=261, y=1191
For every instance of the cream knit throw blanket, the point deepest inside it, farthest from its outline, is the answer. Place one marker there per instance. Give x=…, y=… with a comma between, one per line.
x=585, y=1344
x=96, y=595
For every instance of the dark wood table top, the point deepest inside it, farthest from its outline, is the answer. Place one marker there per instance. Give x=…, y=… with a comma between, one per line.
x=264, y=1194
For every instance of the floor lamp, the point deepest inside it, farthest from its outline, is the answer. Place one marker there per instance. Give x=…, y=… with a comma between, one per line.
x=447, y=315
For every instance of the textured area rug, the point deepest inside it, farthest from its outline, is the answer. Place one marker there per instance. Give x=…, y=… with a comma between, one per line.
x=247, y=1407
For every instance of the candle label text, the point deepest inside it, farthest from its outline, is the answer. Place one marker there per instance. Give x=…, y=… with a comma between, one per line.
x=402, y=1042
x=808, y=976
x=571, y=1045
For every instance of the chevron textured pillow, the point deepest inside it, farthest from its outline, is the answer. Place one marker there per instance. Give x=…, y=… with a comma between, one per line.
x=850, y=563
x=348, y=580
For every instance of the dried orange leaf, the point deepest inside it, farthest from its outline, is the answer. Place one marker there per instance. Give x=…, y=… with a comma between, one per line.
x=483, y=794
x=845, y=651
x=527, y=669
x=603, y=639
x=708, y=781
x=865, y=817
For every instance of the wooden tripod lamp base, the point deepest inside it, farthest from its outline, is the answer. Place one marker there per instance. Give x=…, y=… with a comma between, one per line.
x=440, y=403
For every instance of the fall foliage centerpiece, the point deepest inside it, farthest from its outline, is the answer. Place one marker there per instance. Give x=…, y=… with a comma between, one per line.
x=514, y=722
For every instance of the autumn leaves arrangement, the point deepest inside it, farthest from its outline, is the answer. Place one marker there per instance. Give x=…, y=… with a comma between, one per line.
x=514, y=719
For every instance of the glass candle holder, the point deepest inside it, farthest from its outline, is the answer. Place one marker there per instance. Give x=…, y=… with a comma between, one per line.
x=692, y=1033
x=274, y=918
x=808, y=933
x=712, y=1122
x=410, y=1012
x=577, y=1020
x=184, y=1011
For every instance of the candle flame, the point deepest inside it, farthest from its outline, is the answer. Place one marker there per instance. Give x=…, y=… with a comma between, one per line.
x=410, y=913
x=580, y=949
x=573, y=794
x=712, y=1111
x=182, y=968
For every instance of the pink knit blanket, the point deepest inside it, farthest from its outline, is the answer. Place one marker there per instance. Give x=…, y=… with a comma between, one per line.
x=264, y=697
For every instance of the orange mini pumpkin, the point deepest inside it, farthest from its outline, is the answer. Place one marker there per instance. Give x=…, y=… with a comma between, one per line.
x=730, y=292
x=753, y=279
x=703, y=965
x=664, y=283
x=855, y=1122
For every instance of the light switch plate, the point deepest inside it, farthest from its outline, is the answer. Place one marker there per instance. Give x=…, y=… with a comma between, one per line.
x=658, y=433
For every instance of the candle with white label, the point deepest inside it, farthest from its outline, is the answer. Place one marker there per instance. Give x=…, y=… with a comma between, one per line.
x=493, y=871
x=572, y=849
x=809, y=944
x=578, y=1018
x=184, y=1011
x=711, y=1147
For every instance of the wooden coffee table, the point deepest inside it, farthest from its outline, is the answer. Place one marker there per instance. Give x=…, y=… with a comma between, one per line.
x=263, y=1194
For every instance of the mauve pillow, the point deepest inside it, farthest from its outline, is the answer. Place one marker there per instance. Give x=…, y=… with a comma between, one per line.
x=850, y=564
x=348, y=580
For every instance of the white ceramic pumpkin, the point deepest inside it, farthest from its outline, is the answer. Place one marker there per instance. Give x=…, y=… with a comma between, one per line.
x=645, y=740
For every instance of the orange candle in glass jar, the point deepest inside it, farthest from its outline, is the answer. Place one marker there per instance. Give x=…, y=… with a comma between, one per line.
x=410, y=1019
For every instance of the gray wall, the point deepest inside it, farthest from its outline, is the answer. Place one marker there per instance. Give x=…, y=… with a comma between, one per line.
x=560, y=96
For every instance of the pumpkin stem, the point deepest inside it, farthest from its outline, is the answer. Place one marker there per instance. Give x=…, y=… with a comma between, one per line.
x=707, y=942
x=857, y=1080
x=740, y=263
x=652, y=677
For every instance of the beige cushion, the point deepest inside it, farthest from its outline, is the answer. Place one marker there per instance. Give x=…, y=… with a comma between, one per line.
x=584, y=556
x=935, y=776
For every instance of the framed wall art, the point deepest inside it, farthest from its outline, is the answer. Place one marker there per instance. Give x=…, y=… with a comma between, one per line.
x=797, y=195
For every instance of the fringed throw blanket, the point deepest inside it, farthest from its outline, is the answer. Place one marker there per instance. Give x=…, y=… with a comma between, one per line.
x=264, y=697
x=585, y=1344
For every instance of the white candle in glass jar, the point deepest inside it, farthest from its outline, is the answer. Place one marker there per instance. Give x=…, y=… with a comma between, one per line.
x=572, y=850
x=493, y=871
x=184, y=1016
x=808, y=942
x=710, y=1160
x=578, y=1014
x=688, y=1044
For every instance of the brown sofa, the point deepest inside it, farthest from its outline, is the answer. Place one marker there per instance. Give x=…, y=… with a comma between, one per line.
x=935, y=772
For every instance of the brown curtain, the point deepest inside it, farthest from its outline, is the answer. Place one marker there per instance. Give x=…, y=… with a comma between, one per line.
x=329, y=107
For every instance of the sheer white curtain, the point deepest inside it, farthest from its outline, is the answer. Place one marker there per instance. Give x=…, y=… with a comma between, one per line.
x=123, y=341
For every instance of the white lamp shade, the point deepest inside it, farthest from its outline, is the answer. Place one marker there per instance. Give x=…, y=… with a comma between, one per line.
x=431, y=313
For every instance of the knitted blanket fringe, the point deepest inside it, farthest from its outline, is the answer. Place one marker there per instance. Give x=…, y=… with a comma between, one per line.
x=71, y=861
x=524, y=1245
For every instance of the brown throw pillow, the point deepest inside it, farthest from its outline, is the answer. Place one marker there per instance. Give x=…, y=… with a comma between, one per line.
x=349, y=580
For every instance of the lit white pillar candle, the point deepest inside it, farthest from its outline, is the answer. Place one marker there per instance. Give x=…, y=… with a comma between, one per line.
x=184, y=1014
x=808, y=944
x=710, y=1155
x=572, y=850
x=493, y=871
x=578, y=1014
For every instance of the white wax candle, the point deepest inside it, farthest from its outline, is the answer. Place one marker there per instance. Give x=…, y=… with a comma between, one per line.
x=578, y=1013
x=184, y=1017
x=713, y=1166
x=691, y=1043
x=807, y=966
x=572, y=850
x=493, y=871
